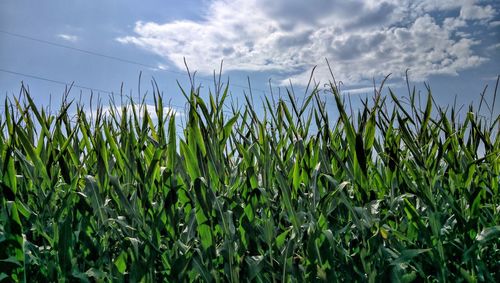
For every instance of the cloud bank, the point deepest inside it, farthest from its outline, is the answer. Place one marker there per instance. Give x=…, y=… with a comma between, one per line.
x=361, y=39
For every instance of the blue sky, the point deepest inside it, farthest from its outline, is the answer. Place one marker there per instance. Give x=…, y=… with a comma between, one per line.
x=452, y=45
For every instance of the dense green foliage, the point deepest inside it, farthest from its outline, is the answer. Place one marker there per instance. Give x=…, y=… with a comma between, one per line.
x=393, y=192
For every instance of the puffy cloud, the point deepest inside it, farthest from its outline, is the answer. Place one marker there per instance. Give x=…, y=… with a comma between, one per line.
x=361, y=39
x=471, y=11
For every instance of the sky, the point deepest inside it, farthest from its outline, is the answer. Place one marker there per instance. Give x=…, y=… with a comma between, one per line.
x=451, y=45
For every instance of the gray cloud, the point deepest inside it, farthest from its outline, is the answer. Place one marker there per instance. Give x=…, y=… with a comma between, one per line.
x=296, y=12
x=298, y=39
x=377, y=16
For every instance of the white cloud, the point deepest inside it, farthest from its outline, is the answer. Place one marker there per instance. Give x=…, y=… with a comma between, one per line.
x=494, y=47
x=361, y=39
x=471, y=11
x=68, y=37
x=361, y=90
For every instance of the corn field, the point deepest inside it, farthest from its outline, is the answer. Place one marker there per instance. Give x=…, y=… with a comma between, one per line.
x=393, y=192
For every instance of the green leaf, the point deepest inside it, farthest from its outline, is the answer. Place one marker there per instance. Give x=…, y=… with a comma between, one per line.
x=65, y=245
x=427, y=114
x=195, y=137
x=121, y=262
x=407, y=255
x=30, y=150
x=488, y=234
x=360, y=154
x=280, y=240
x=12, y=260
x=172, y=144
x=205, y=235
x=369, y=135
x=153, y=168
x=3, y=276
x=296, y=173
x=190, y=161
x=95, y=273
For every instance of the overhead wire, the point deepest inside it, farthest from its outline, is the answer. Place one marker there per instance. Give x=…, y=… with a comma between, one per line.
x=55, y=81
x=93, y=89
x=93, y=53
x=116, y=58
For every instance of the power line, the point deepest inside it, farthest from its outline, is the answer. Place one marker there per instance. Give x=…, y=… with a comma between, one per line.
x=123, y=60
x=65, y=83
x=178, y=107
x=79, y=49
x=55, y=81
x=174, y=106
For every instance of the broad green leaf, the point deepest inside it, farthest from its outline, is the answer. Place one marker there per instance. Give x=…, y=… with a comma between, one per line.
x=121, y=262
x=205, y=235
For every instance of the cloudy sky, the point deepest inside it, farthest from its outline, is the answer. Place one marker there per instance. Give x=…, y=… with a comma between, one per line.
x=453, y=45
